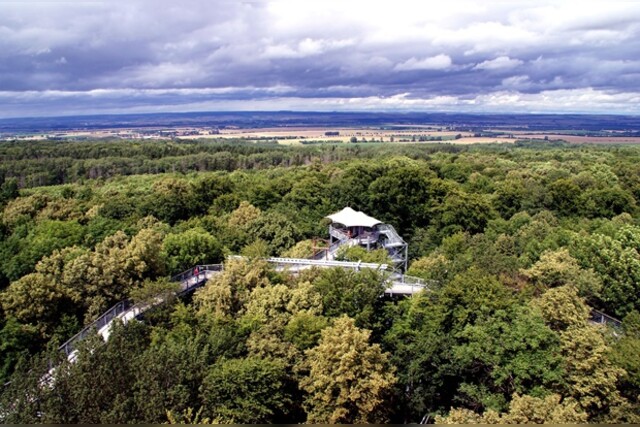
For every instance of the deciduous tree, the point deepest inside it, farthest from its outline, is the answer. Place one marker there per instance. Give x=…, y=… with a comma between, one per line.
x=349, y=379
x=247, y=390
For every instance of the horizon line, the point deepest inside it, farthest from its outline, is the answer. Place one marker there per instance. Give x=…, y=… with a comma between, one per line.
x=325, y=112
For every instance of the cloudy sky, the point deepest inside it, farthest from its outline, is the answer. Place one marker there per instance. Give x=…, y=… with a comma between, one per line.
x=119, y=56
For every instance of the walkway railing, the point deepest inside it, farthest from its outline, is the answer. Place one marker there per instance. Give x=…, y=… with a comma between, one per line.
x=200, y=274
x=287, y=262
x=604, y=319
x=196, y=275
x=333, y=249
x=393, y=238
x=188, y=279
x=123, y=306
x=338, y=233
x=364, y=238
x=412, y=280
x=408, y=285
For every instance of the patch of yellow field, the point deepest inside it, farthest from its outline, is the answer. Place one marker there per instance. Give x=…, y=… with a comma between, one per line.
x=482, y=140
x=318, y=134
x=297, y=137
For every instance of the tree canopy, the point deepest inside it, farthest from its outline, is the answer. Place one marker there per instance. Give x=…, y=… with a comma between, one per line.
x=517, y=242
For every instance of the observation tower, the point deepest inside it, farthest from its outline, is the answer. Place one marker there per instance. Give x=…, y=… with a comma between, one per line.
x=350, y=228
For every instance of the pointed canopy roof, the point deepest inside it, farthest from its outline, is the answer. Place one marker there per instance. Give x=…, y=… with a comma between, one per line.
x=352, y=218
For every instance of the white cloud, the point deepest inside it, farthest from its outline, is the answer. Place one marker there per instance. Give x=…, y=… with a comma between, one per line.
x=587, y=100
x=515, y=81
x=304, y=48
x=280, y=51
x=312, y=48
x=438, y=62
x=499, y=63
x=163, y=74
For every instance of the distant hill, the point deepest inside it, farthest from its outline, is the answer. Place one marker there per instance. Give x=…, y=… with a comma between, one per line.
x=539, y=122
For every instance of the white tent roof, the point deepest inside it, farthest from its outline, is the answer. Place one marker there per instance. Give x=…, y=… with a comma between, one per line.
x=351, y=218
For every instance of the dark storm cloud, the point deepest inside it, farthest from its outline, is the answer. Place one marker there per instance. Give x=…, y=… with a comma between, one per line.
x=92, y=56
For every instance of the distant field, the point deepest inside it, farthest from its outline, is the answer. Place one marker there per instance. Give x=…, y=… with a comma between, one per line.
x=297, y=135
x=290, y=135
x=483, y=140
x=576, y=139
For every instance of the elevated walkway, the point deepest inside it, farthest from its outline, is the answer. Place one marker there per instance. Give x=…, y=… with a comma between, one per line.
x=126, y=310
x=296, y=264
x=193, y=278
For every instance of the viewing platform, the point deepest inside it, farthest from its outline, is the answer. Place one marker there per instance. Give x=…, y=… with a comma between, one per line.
x=350, y=228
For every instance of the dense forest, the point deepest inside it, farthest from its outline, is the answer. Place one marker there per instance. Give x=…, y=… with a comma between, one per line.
x=519, y=241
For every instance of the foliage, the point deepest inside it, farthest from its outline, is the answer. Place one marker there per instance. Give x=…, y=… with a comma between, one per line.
x=188, y=417
x=516, y=348
x=460, y=211
x=248, y=390
x=402, y=194
x=171, y=200
x=348, y=377
x=152, y=291
x=558, y=268
x=523, y=410
x=626, y=355
x=37, y=301
x=355, y=294
x=276, y=229
x=226, y=294
x=109, y=368
x=434, y=266
x=618, y=265
x=256, y=250
x=302, y=249
x=562, y=308
x=244, y=215
x=358, y=253
x=522, y=241
x=303, y=330
x=192, y=247
x=469, y=342
x=16, y=340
